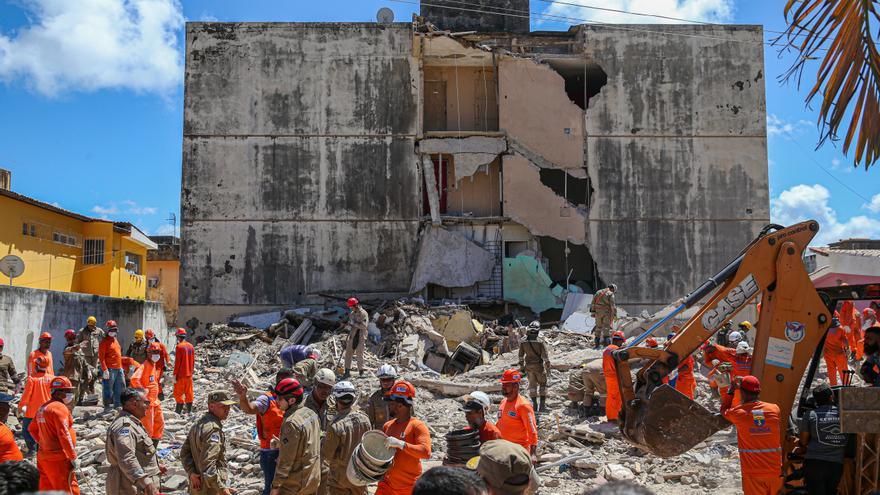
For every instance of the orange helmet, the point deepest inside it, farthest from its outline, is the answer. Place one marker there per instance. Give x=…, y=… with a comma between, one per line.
x=651, y=342
x=45, y=336
x=154, y=347
x=750, y=384
x=149, y=333
x=111, y=324
x=181, y=332
x=402, y=389
x=352, y=302
x=60, y=383
x=511, y=376
x=618, y=335
x=69, y=333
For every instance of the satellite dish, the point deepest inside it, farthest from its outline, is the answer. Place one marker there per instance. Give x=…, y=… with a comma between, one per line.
x=385, y=16
x=12, y=266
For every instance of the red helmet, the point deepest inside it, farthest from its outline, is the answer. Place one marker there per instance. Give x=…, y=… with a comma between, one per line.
x=41, y=362
x=45, y=336
x=618, y=335
x=352, y=302
x=60, y=383
x=750, y=384
x=511, y=376
x=289, y=386
x=154, y=347
x=181, y=332
x=111, y=324
x=69, y=333
x=651, y=342
x=2, y=343
x=149, y=333
x=402, y=390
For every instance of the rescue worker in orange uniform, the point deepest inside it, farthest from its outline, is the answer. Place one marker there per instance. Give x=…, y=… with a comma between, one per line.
x=36, y=393
x=684, y=373
x=851, y=322
x=9, y=450
x=758, y=437
x=269, y=420
x=53, y=431
x=146, y=376
x=613, y=402
x=834, y=351
x=184, y=367
x=409, y=436
x=42, y=350
x=163, y=361
x=110, y=357
x=516, y=415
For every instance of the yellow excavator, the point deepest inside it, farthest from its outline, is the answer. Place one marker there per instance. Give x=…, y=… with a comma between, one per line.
x=792, y=322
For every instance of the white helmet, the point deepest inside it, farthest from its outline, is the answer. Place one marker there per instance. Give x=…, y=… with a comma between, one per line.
x=317, y=354
x=482, y=398
x=342, y=389
x=734, y=337
x=386, y=371
x=535, y=325
x=325, y=376
x=743, y=348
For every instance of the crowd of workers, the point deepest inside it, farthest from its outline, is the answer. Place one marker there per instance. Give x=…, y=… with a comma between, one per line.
x=309, y=423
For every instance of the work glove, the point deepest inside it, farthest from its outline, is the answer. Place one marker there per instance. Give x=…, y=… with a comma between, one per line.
x=394, y=443
x=106, y=374
x=74, y=464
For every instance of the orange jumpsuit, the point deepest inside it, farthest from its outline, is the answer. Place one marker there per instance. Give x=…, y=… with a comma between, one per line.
x=850, y=317
x=613, y=402
x=759, y=442
x=742, y=364
x=407, y=465
x=146, y=376
x=50, y=368
x=835, y=354
x=516, y=422
x=164, y=359
x=110, y=354
x=184, y=366
x=686, y=383
x=9, y=450
x=36, y=393
x=53, y=431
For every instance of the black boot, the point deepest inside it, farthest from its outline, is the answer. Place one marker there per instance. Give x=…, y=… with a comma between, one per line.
x=178, y=408
x=543, y=407
x=534, y=399
x=189, y=407
x=583, y=411
x=597, y=410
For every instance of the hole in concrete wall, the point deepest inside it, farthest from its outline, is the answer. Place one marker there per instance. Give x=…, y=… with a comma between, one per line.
x=575, y=191
x=578, y=261
x=583, y=79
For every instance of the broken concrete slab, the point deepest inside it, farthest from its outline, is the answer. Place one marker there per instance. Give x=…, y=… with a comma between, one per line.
x=449, y=259
x=455, y=389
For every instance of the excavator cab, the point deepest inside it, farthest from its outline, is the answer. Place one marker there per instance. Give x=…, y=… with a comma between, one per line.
x=792, y=321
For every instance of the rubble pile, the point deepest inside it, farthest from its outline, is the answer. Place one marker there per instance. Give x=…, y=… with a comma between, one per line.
x=574, y=453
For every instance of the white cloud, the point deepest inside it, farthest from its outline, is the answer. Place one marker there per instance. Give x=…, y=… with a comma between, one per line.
x=777, y=126
x=134, y=209
x=696, y=10
x=803, y=202
x=96, y=44
x=105, y=210
x=874, y=205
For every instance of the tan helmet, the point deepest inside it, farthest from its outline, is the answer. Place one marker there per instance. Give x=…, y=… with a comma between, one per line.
x=325, y=376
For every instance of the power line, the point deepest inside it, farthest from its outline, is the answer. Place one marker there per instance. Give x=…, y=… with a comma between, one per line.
x=554, y=17
x=815, y=162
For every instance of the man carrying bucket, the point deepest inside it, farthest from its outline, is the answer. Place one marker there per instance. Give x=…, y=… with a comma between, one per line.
x=409, y=436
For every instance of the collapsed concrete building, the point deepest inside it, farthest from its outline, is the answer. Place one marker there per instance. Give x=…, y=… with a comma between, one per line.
x=462, y=156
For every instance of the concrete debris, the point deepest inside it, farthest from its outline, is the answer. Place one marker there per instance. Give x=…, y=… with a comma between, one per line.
x=449, y=259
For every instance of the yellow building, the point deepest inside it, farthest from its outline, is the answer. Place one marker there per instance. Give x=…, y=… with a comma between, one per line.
x=66, y=251
x=163, y=275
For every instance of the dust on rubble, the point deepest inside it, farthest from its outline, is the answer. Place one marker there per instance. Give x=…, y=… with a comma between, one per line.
x=404, y=335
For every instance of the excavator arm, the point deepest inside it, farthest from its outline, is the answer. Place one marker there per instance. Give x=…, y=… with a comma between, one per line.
x=792, y=321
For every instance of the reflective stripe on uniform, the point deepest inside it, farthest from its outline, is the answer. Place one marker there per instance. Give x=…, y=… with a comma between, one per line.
x=760, y=451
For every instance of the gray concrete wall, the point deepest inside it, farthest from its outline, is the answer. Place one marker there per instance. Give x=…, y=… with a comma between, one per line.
x=299, y=169
x=26, y=313
x=510, y=16
x=676, y=149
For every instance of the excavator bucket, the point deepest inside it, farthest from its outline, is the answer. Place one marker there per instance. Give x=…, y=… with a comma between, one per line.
x=668, y=423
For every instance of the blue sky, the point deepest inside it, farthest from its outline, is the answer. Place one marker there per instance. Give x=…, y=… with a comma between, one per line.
x=91, y=102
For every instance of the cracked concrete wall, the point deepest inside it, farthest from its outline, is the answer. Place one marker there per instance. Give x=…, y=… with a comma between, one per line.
x=536, y=112
x=299, y=167
x=478, y=15
x=536, y=206
x=677, y=154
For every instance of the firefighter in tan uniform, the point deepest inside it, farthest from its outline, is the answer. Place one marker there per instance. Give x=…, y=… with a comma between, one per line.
x=376, y=406
x=358, y=320
x=305, y=370
x=299, y=462
x=535, y=363
x=343, y=434
x=76, y=369
x=594, y=384
x=134, y=467
x=204, y=453
x=91, y=336
x=604, y=310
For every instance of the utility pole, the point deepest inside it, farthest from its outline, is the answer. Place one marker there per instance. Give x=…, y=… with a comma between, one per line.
x=172, y=219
